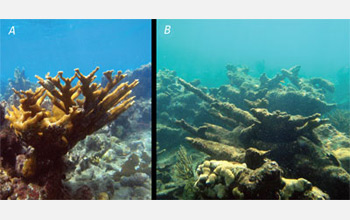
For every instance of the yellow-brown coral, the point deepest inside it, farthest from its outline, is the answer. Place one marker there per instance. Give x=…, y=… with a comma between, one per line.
x=29, y=167
x=52, y=132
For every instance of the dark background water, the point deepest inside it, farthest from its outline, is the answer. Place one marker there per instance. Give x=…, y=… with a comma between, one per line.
x=42, y=46
x=202, y=48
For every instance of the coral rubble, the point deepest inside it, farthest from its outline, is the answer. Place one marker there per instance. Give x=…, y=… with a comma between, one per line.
x=262, y=138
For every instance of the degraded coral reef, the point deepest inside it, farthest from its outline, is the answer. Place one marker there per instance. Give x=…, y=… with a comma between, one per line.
x=232, y=180
x=340, y=119
x=309, y=96
x=45, y=133
x=248, y=124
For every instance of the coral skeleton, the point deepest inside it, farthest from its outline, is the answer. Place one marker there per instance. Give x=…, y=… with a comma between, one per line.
x=289, y=139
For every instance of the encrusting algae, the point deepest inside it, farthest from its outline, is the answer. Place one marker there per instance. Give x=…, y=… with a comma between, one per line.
x=77, y=111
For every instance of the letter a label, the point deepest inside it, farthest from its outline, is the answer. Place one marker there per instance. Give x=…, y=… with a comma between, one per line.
x=12, y=31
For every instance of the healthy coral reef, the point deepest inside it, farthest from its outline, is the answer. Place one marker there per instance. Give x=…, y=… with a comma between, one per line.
x=104, y=164
x=253, y=124
x=18, y=82
x=48, y=132
x=140, y=112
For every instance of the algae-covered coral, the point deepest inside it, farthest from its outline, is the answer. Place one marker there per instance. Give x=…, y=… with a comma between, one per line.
x=262, y=138
x=48, y=123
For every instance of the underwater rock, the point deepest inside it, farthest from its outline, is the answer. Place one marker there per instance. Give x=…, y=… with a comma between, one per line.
x=231, y=180
x=162, y=138
x=340, y=118
x=109, y=156
x=137, y=179
x=255, y=158
x=144, y=75
x=294, y=186
x=103, y=196
x=261, y=183
x=332, y=138
x=336, y=182
x=343, y=155
x=84, y=193
x=322, y=83
x=10, y=147
x=315, y=194
x=2, y=113
x=93, y=143
x=137, y=117
x=281, y=127
x=259, y=103
x=297, y=102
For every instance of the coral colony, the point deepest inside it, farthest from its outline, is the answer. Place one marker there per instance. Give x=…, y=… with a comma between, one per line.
x=262, y=138
x=48, y=123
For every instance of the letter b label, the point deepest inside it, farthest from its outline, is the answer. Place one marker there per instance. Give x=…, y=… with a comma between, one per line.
x=167, y=29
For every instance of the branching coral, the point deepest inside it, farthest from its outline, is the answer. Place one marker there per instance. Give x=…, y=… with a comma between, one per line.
x=71, y=119
x=77, y=111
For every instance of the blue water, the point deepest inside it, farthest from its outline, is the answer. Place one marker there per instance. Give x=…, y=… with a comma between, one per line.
x=202, y=48
x=42, y=46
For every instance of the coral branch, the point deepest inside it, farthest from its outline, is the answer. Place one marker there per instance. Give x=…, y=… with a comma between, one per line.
x=52, y=132
x=196, y=91
x=217, y=150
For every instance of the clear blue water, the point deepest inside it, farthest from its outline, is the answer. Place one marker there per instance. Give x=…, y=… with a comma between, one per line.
x=202, y=48
x=42, y=46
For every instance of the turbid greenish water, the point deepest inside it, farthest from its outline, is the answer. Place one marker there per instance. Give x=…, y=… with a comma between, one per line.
x=202, y=48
